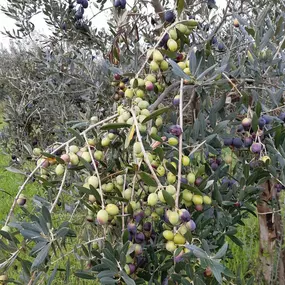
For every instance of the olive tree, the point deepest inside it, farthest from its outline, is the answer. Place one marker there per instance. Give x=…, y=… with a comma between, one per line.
x=150, y=191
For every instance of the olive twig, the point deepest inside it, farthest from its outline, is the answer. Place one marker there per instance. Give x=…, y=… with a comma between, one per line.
x=53, y=152
x=146, y=159
x=96, y=171
x=59, y=190
x=180, y=144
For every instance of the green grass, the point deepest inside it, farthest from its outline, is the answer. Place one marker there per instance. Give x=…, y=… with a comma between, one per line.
x=245, y=261
x=9, y=186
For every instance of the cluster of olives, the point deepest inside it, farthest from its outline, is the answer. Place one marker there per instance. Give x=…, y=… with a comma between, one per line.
x=83, y=4
x=143, y=88
x=247, y=137
x=120, y=4
x=219, y=45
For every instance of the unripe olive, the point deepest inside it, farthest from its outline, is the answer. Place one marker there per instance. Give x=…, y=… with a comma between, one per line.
x=129, y=93
x=94, y=181
x=207, y=200
x=170, y=246
x=173, y=217
x=187, y=195
x=98, y=155
x=59, y=170
x=164, y=65
x=105, y=141
x=191, y=178
x=74, y=160
x=168, y=235
x=173, y=141
x=86, y=156
x=179, y=239
x=154, y=66
x=172, y=45
x=37, y=151
x=157, y=56
x=112, y=209
x=152, y=199
x=185, y=161
x=74, y=148
x=102, y=217
x=197, y=199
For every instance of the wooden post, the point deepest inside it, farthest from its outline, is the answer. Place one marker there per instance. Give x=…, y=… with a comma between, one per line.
x=271, y=232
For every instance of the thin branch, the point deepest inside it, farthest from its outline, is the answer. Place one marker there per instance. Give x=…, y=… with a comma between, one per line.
x=276, y=54
x=233, y=85
x=53, y=152
x=76, y=247
x=180, y=144
x=146, y=159
x=59, y=190
x=96, y=170
x=167, y=91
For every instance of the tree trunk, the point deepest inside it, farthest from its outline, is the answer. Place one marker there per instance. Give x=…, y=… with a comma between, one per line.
x=271, y=232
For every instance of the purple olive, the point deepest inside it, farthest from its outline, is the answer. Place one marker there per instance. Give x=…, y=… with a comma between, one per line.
x=185, y=215
x=282, y=116
x=176, y=101
x=211, y=4
x=198, y=181
x=191, y=225
x=117, y=3
x=132, y=228
x=165, y=281
x=169, y=16
x=132, y=268
x=139, y=238
x=228, y=141
x=165, y=217
x=246, y=123
x=248, y=141
x=261, y=122
x=79, y=13
x=219, y=161
x=184, y=180
x=175, y=130
x=214, y=166
x=139, y=216
x=239, y=128
x=226, y=180
x=84, y=3
x=255, y=163
x=267, y=118
x=221, y=47
x=256, y=147
x=147, y=226
x=164, y=40
x=123, y=4
x=237, y=142
x=214, y=41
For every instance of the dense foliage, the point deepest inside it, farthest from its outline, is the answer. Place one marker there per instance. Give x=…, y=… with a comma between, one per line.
x=173, y=134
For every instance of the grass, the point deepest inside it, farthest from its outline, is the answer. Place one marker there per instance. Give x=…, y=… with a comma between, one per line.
x=245, y=259
x=9, y=185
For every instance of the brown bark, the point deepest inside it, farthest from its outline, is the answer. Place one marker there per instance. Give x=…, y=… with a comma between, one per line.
x=271, y=255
